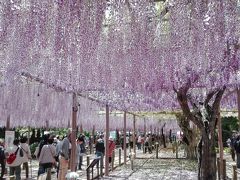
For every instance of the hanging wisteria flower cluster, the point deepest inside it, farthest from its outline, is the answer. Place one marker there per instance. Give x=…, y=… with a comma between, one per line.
x=127, y=54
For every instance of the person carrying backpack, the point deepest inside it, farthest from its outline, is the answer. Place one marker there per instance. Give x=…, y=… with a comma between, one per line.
x=15, y=163
x=2, y=158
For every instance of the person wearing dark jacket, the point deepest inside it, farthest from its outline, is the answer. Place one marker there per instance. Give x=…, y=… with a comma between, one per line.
x=100, y=148
x=231, y=145
x=237, y=149
x=82, y=150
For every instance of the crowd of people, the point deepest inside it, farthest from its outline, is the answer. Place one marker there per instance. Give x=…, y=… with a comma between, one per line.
x=54, y=152
x=234, y=144
x=51, y=152
x=14, y=156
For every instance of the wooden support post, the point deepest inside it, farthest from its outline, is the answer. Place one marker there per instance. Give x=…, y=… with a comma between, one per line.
x=113, y=159
x=74, y=130
x=28, y=135
x=143, y=147
x=7, y=129
x=8, y=123
x=157, y=150
x=131, y=160
x=77, y=131
x=220, y=144
x=88, y=174
x=101, y=166
x=238, y=102
x=81, y=129
x=124, y=137
x=176, y=150
x=93, y=134
x=90, y=144
x=120, y=154
x=144, y=137
x=224, y=169
x=88, y=160
x=150, y=139
x=92, y=140
x=218, y=168
x=130, y=148
x=134, y=135
x=234, y=172
x=158, y=139
x=107, y=142
x=92, y=172
x=145, y=129
x=47, y=125
x=98, y=169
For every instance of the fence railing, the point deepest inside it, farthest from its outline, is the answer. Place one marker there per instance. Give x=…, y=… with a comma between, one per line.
x=235, y=172
x=90, y=169
x=232, y=168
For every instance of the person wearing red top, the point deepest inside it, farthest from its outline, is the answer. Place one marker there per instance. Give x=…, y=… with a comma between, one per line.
x=111, y=149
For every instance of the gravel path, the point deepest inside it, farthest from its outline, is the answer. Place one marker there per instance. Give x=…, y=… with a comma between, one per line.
x=146, y=166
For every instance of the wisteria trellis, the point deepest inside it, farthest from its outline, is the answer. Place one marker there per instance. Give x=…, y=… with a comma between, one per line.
x=117, y=51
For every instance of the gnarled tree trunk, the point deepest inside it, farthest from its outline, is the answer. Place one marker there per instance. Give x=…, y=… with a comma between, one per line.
x=204, y=116
x=190, y=136
x=208, y=154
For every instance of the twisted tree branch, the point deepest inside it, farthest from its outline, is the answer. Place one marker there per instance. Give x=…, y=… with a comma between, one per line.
x=183, y=101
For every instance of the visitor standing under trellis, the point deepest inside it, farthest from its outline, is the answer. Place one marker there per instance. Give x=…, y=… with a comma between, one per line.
x=26, y=154
x=64, y=157
x=237, y=149
x=81, y=148
x=111, y=149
